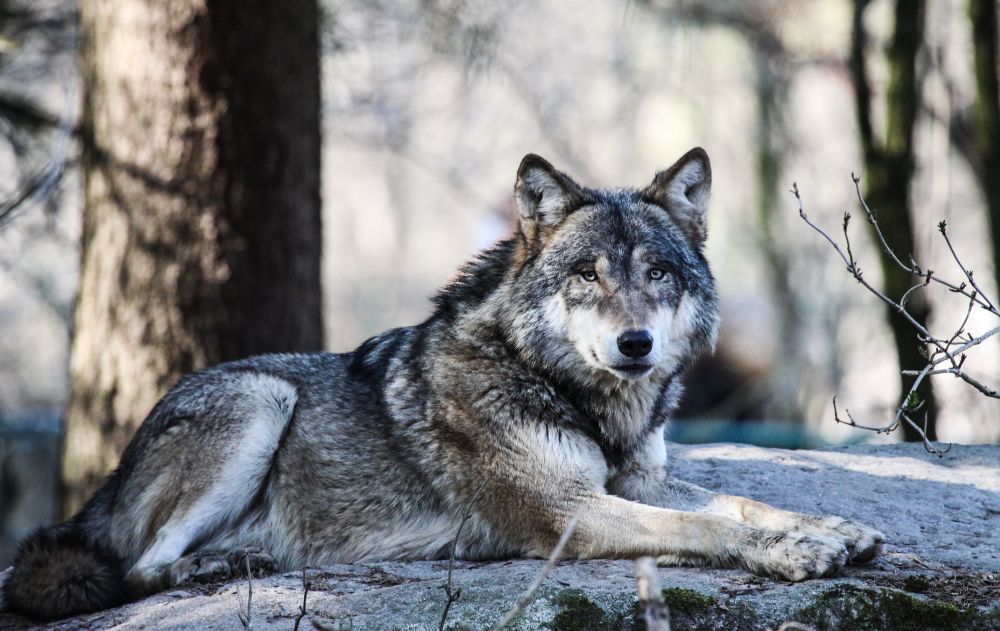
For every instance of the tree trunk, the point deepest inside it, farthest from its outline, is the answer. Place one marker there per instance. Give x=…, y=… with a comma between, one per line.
x=986, y=134
x=889, y=167
x=772, y=138
x=201, y=239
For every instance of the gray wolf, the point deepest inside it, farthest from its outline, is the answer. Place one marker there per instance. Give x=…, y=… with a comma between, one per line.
x=542, y=380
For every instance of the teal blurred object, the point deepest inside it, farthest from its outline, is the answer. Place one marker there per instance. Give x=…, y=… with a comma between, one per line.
x=783, y=434
x=29, y=467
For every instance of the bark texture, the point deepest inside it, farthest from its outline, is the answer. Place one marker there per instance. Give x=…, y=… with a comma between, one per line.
x=201, y=238
x=889, y=167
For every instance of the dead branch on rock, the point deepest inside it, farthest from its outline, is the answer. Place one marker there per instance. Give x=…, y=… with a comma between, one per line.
x=245, y=619
x=945, y=355
x=529, y=594
x=655, y=612
x=454, y=594
x=305, y=595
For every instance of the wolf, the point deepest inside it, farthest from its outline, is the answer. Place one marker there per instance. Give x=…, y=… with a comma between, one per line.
x=535, y=395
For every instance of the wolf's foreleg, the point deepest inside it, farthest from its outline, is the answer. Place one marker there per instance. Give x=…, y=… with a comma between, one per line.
x=540, y=479
x=862, y=542
x=612, y=527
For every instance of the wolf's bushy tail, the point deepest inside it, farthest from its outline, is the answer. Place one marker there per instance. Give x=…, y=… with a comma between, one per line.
x=57, y=573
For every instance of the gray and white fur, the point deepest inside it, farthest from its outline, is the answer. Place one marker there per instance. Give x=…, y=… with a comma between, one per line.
x=545, y=377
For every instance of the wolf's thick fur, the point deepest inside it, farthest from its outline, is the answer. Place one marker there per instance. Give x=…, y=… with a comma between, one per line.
x=545, y=376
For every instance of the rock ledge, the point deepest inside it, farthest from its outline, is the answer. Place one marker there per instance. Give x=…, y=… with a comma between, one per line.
x=940, y=570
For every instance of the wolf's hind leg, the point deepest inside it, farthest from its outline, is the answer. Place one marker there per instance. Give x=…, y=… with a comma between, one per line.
x=218, y=498
x=207, y=566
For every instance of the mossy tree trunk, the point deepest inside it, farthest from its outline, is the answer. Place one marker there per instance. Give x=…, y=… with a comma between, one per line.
x=201, y=239
x=889, y=167
x=986, y=132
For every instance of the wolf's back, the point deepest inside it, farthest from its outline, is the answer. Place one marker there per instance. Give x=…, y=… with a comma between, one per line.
x=58, y=573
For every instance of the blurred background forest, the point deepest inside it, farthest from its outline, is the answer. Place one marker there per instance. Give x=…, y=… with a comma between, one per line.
x=190, y=182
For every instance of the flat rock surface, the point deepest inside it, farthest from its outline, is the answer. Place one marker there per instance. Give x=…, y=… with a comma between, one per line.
x=940, y=568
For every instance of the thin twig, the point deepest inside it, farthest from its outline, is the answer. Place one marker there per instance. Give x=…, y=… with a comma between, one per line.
x=943, y=228
x=913, y=269
x=986, y=390
x=855, y=270
x=961, y=327
x=851, y=422
x=453, y=595
x=245, y=620
x=305, y=595
x=655, y=612
x=529, y=594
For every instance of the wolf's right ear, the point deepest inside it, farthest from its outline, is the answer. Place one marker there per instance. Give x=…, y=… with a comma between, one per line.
x=544, y=196
x=684, y=190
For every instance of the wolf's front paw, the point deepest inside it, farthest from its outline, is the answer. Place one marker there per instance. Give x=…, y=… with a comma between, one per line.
x=793, y=556
x=862, y=542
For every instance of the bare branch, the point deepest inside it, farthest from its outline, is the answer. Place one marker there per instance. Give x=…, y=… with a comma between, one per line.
x=855, y=269
x=943, y=228
x=986, y=390
x=245, y=618
x=529, y=594
x=802, y=213
x=305, y=595
x=949, y=349
x=453, y=595
x=852, y=423
x=912, y=268
x=655, y=612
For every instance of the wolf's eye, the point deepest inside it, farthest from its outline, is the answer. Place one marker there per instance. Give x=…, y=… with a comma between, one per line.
x=588, y=275
x=656, y=273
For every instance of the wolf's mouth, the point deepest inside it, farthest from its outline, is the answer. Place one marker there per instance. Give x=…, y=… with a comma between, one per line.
x=633, y=370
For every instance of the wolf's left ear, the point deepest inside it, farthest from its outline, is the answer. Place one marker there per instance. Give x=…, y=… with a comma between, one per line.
x=684, y=190
x=544, y=196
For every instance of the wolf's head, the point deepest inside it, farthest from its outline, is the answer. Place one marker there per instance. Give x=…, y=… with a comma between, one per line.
x=612, y=283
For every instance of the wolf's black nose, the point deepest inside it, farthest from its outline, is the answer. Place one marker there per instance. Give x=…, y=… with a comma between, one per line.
x=635, y=344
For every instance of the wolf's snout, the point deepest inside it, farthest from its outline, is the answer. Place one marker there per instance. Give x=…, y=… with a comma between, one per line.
x=635, y=344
